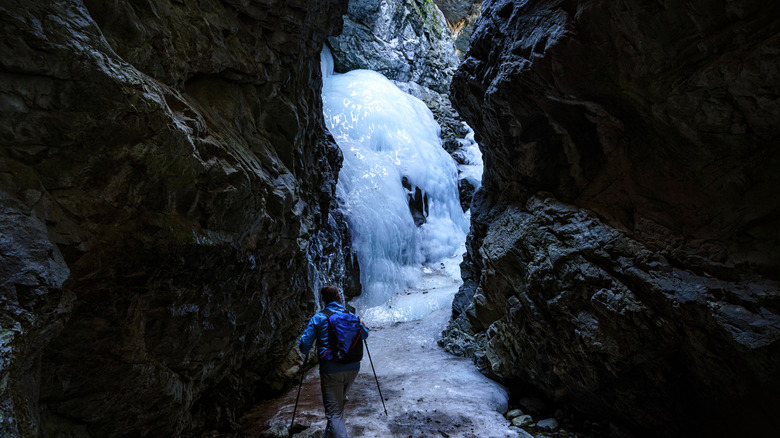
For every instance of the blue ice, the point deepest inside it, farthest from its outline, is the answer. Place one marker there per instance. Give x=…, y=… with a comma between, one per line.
x=387, y=136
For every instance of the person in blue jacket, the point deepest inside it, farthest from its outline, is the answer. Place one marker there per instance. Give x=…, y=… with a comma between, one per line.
x=335, y=377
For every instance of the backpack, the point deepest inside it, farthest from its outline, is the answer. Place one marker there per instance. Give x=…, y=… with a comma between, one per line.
x=344, y=336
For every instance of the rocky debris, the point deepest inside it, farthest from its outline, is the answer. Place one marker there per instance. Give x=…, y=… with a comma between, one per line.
x=281, y=431
x=310, y=433
x=276, y=431
x=164, y=165
x=561, y=425
x=520, y=432
x=623, y=254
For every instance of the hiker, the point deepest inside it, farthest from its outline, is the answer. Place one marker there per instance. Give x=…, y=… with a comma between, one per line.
x=335, y=376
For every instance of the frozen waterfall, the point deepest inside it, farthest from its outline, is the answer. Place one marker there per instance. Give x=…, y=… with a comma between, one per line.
x=392, y=158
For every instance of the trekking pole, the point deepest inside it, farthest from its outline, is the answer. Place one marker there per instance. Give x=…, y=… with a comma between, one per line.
x=375, y=378
x=292, y=422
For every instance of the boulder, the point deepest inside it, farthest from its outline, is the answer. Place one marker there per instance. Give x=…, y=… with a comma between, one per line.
x=513, y=413
x=522, y=421
x=548, y=424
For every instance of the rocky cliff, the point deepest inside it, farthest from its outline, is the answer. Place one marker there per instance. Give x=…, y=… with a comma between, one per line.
x=407, y=41
x=624, y=253
x=163, y=169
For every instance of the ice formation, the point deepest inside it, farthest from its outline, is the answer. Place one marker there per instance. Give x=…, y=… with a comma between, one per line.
x=391, y=148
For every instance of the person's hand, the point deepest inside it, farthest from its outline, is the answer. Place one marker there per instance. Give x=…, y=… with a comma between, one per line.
x=298, y=363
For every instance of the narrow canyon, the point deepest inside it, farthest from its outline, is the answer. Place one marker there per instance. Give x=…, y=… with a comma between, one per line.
x=176, y=184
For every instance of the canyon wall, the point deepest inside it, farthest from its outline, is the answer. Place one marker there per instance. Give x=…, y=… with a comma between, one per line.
x=461, y=16
x=624, y=257
x=164, y=171
x=406, y=41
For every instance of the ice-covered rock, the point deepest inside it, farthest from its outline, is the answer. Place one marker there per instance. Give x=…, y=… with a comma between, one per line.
x=393, y=159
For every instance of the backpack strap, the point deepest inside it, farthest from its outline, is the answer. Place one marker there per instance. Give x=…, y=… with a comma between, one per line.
x=328, y=314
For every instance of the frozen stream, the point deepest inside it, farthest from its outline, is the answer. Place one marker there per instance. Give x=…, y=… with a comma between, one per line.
x=428, y=392
x=398, y=190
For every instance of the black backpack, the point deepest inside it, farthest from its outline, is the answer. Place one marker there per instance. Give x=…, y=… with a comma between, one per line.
x=345, y=337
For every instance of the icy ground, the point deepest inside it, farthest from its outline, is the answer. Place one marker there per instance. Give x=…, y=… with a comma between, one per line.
x=428, y=393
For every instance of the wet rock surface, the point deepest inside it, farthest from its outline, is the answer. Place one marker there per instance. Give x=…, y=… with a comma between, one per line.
x=163, y=167
x=624, y=250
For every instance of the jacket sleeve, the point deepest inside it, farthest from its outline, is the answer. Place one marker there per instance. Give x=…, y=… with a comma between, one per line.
x=363, y=330
x=309, y=336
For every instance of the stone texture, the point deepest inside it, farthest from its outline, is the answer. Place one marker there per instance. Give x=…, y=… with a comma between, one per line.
x=461, y=16
x=624, y=253
x=33, y=307
x=513, y=413
x=522, y=421
x=164, y=166
x=548, y=424
x=407, y=41
x=466, y=189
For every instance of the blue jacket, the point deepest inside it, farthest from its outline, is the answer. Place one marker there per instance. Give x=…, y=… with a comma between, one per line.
x=318, y=330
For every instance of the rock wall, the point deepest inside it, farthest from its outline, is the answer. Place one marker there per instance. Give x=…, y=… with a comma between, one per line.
x=407, y=41
x=624, y=253
x=163, y=167
x=461, y=16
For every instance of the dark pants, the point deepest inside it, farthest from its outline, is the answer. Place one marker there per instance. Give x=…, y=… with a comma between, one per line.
x=334, y=391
